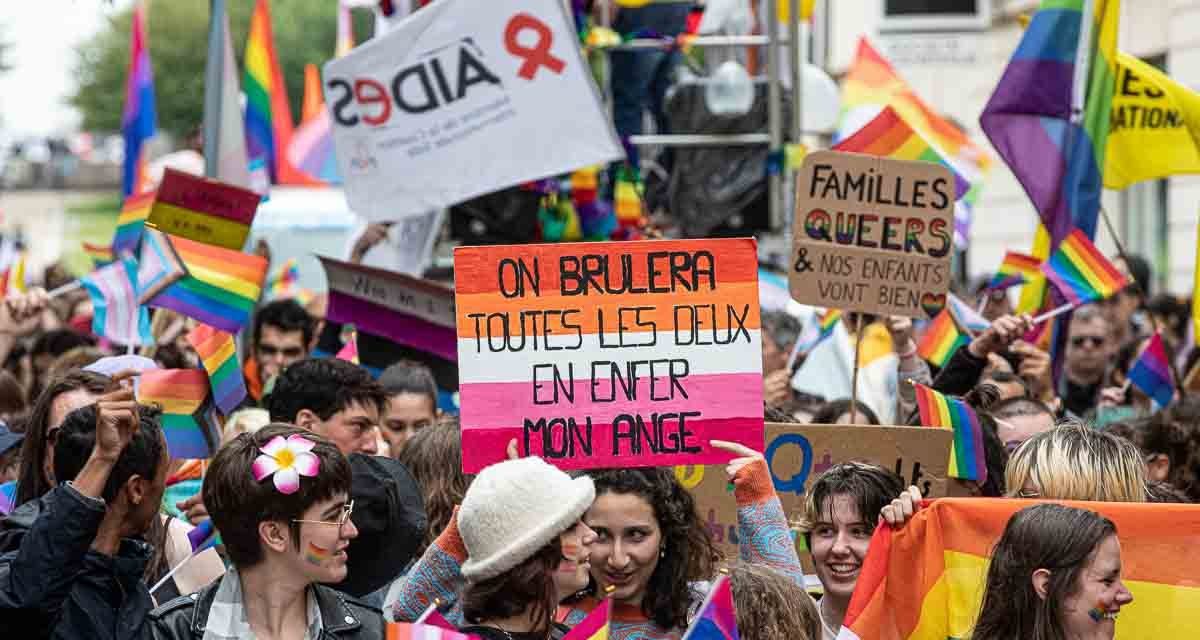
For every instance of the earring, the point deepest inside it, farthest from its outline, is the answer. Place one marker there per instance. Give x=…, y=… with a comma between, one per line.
x=662, y=552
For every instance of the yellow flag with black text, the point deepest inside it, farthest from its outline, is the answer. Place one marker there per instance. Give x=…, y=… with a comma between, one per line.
x=1155, y=126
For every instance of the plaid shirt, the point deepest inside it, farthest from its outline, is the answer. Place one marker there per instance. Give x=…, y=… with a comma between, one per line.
x=227, y=616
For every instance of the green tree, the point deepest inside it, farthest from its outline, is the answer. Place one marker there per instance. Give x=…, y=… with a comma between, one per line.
x=178, y=35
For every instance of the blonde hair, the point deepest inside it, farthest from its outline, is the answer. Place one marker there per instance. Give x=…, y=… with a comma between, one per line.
x=771, y=606
x=1076, y=462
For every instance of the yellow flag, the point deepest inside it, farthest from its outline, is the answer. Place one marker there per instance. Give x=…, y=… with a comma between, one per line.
x=1155, y=126
x=784, y=10
x=1033, y=294
x=1196, y=283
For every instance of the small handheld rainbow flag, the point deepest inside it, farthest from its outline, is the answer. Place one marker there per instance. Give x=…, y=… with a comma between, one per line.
x=1152, y=373
x=966, y=452
x=101, y=255
x=1015, y=268
x=888, y=135
x=218, y=352
x=717, y=619
x=1081, y=273
x=414, y=631
x=941, y=339
x=285, y=280
x=134, y=212
x=187, y=424
x=817, y=332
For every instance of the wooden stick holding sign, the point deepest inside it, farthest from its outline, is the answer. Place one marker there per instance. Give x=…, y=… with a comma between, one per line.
x=854, y=378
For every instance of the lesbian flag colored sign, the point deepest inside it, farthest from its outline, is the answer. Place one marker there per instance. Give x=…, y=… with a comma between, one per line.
x=615, y=354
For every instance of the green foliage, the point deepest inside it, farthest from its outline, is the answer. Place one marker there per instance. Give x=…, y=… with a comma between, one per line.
x=305, y=32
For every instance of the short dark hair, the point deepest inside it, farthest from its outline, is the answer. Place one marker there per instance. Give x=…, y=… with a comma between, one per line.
x=832, y=410
x=286, y=315
x=409, y=376
x=31, y=481
x=1016, y=407
x=869, y=486
x=59, y=341
x=324, y=386
x=526, y=588
x=238, y=503
x=140, y=457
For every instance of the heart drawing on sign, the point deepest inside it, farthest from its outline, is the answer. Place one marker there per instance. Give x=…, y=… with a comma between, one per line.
x=933, y=303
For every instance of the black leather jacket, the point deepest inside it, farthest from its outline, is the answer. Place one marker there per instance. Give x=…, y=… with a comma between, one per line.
x=343, y=617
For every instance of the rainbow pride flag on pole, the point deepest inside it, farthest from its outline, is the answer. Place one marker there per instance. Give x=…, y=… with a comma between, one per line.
x=966, y=452
x=1049, y=115
x=816, y=332
x=941, y=339
x=134, y=212
x=138, y=119
x=1081, y=273
x=717, y=619
x=925, y=580
x=218, y=353
x=1152, y=373
x=190, y=428
x=889, y=136
x=1015, y=269
x=101, y=255
x=268, y=114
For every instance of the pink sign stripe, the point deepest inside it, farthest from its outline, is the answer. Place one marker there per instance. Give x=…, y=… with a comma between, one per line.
x=486, y=442
x=507, y=404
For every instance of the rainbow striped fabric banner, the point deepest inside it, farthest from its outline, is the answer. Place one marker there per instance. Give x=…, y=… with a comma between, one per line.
x=268, y=114
x=585, y=352
x=941, y=339
x=1152, y=373
x=966, y=452
x=138, y=119
x=219, y=287
x=116, y=314
x=218, y=353
x=188, y=424
x=1015, y=268
x=1081, y=273
x=595, y=626
x=134, y=211
x=717, y=619
x=101, y=256
x=887, y=135
x=1030, y=120
x=926, y=579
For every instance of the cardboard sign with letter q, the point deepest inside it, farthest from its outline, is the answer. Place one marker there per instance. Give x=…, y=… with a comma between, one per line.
x=872, y=234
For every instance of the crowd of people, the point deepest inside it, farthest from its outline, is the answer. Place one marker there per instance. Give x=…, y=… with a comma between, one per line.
x=341, y=506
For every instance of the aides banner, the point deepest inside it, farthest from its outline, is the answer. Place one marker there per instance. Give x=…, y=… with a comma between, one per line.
x=1155, y=126
x=461, y=99
x=609, y=354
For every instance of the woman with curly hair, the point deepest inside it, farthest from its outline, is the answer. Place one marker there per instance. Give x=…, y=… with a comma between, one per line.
x=434, y=457
x=652, y=555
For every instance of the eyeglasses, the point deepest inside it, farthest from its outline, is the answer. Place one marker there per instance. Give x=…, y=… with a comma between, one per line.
x=347, y=509
x=1029, y=494
x=1097, y=341
x=290, y=352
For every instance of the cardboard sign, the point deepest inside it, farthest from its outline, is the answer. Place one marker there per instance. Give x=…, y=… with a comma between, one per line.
x=204, y=210
x=461, y=99
x=872, y=234
x=609, y=354
x=798, y=453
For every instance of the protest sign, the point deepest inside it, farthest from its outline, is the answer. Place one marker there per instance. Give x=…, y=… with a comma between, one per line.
x=614, y=354
x=204, y=210
x=797, y=453
x=461, y=99
x=872, y=234
x=413, y=312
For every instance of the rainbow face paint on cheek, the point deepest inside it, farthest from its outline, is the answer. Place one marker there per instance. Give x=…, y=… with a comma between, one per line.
x=317, y=555
x=1100, y=613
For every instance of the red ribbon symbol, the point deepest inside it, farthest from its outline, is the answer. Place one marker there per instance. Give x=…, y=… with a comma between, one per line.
x=539, y=54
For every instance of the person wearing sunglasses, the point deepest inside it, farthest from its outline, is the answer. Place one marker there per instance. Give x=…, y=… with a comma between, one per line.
x=280, y=498
x=1090, y=349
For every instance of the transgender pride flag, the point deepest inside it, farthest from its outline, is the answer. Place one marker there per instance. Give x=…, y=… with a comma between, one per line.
x=137, y=121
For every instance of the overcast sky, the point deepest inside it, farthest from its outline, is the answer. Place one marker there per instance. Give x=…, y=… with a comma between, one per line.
x=42, y=34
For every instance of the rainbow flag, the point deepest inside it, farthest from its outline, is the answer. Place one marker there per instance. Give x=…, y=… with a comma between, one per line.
x=816, y=333
x=717, y=619
x=1015, y=268
x=219, y=287
x=414, y=631
x=1152, y=373
x=203, y=536
x=282, y=282
x=311, y=149
x=627, y=197
x=116, y=314
x=187, y=423
x=926, y=579
x=595, y=626
x=1081, y=273
x=941, y=339
x=871, y=82
x=966, y=452
x=1049, y=115
x=138, y=118
x=134, y=211
x=268, y=114
x=887, y=135
x=101, y=255
x=218, y=353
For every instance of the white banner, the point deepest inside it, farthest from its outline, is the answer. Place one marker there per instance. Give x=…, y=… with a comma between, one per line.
x=461, y=99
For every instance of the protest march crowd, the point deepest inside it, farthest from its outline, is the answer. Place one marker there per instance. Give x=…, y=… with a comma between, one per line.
x=192, y=448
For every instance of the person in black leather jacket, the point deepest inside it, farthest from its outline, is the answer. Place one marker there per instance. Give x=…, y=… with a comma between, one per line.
x=76, y=567
x=280, y=500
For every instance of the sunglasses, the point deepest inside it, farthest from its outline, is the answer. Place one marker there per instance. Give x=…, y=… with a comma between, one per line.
x=269, y=351
x=1096, y=341
x=347, y=509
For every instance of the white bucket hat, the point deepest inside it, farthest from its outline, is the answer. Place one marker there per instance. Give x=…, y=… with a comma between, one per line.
x=514, y=508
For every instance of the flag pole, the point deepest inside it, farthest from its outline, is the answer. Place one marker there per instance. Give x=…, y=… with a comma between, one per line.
x=1057, y=311
x=854, y=376
x=213, y=68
